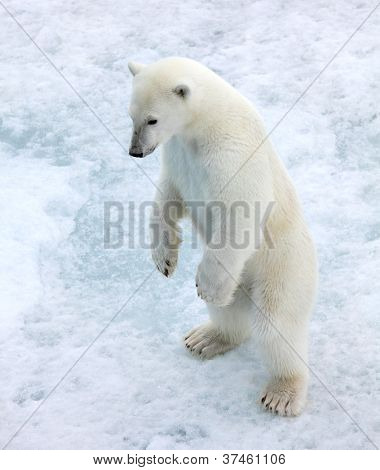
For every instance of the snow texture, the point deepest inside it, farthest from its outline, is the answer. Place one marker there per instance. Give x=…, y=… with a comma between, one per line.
x=137, y=387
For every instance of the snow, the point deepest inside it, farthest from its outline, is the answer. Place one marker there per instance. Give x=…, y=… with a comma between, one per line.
x=137, y=387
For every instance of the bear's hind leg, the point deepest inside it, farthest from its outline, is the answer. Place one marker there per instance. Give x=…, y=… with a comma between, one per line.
x=228, y=327
x=284, y=296
x=284, y=344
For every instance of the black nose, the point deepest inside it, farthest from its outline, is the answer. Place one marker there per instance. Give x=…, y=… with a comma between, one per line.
x=136, y=155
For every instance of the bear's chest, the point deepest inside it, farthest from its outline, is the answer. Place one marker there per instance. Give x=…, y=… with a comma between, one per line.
x=193, y=179
x=187, y=169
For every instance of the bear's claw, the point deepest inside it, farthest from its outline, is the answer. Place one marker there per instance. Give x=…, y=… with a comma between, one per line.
x=165, y=260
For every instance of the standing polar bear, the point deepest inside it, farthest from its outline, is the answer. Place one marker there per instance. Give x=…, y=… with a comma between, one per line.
x=214, y=149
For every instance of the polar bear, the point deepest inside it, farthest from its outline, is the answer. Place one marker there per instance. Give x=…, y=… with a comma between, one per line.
x=214, y=148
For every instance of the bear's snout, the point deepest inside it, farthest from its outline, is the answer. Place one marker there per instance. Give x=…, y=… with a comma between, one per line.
x=135, y=153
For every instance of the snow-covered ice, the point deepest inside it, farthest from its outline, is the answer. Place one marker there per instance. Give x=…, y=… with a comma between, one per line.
x=137, y=387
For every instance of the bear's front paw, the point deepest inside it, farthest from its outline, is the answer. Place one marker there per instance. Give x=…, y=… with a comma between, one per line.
x=214, y=284
x=165, y=259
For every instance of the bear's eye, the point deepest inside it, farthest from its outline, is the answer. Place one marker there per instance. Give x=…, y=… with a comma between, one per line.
x=152, y=122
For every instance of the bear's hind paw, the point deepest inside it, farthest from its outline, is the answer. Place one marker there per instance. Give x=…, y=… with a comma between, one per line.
x=206, y=341
x=285, y=397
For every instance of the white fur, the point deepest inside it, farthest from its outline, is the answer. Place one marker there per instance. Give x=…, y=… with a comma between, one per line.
x=207, y=132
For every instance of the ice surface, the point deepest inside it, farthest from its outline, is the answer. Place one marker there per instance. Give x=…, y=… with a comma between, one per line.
x=137, y=387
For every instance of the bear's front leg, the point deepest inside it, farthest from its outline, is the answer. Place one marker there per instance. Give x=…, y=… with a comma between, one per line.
x=215, y=284
x=165, y=246
x=164, y=229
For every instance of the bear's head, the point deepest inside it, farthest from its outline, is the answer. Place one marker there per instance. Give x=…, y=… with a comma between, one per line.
x=159, y=105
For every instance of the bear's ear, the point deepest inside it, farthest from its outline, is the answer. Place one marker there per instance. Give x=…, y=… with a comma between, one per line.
x=135, y=67
x=182, y=90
